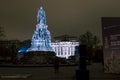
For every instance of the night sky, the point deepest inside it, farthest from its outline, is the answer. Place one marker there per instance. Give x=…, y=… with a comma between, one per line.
x=73, y=17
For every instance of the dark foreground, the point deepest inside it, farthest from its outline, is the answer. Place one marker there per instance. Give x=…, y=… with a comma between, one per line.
x=47, y=73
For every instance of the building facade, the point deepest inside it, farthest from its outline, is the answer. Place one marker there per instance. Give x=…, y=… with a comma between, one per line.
x=64, y=49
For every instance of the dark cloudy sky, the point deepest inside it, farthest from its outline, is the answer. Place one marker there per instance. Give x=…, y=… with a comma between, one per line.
x=74, y=17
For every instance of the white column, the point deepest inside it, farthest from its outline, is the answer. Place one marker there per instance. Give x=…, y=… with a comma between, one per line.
x=62, y=51
x=67, y=51
x=57, y=50
x=72, y=50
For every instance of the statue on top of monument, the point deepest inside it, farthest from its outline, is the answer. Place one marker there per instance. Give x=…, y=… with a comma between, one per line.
x=41, y=18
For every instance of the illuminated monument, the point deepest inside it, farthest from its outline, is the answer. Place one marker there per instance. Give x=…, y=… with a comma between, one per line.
x=40, y=50
x=41, y=45
x=41, y=39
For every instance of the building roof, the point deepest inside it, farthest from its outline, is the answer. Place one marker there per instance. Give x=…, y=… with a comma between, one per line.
x=65, y=37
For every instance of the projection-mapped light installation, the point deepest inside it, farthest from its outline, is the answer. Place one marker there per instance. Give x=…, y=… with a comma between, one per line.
x=41, y=39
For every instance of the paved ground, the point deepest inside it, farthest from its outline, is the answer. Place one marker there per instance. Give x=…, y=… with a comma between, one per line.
x=47, y=73
x=39, y=73
x=96, y=73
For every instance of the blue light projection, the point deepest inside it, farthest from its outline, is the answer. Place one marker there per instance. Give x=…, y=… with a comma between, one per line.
x=24, y=48
x=41, y=39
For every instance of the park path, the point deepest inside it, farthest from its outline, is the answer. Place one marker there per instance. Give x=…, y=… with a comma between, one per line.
x=39, y=73
x=47, y=73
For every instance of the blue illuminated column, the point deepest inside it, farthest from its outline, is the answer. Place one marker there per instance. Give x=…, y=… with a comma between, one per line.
x=41, y=39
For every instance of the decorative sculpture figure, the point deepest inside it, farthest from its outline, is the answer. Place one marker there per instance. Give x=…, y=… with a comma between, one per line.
x=41, y=39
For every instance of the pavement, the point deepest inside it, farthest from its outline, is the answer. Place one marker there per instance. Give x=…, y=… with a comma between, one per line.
x=97, y=73
x=47, y=73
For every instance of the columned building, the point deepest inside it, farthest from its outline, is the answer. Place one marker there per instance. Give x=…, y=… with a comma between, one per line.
x=64, y=49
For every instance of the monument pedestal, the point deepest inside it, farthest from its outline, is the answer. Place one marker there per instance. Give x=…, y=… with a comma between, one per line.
x=38, y=57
